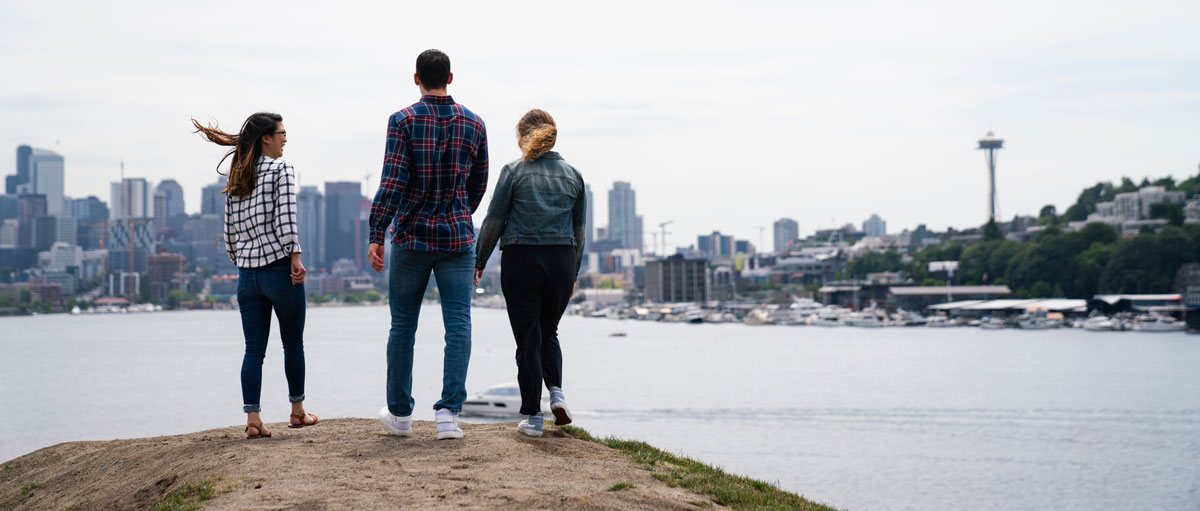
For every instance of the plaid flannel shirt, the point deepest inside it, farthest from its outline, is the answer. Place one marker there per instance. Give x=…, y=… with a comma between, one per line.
x=261, y=227
x=435, y=170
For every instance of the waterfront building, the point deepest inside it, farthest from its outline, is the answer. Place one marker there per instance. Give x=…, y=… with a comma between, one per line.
x=786, y=231
x=918, y=298
x=342, y=205
x=677, y=279
x=874, y=227
x=310, y=213
x=624, y=224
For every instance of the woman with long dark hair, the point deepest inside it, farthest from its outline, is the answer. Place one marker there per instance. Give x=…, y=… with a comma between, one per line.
x=262, y=240
x=538, y=215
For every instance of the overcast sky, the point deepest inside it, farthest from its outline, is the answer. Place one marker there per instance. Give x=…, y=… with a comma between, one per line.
x=724, y=115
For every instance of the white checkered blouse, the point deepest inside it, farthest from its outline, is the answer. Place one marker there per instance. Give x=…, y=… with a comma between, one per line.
x=261, y=228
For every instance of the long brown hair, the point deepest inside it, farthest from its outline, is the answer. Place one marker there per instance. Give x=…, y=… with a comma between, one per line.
x=539, y=132
x=246, y=149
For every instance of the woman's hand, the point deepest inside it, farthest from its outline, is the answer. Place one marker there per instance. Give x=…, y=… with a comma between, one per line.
x=478, y=273
x=298, y=271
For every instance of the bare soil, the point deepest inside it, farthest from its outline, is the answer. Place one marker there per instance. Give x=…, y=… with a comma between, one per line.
x=340, y=464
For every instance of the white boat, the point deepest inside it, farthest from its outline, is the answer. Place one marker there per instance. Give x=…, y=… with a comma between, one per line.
x=1100, y=324
x=990, y=323
x=828, y=316
x=757, y=317
x=865, y=319
x=1155, y=322
x=503, y=400
x=1038, y=322
x=939, y=322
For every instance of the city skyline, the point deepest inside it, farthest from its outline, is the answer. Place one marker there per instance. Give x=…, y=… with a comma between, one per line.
x=860, y=112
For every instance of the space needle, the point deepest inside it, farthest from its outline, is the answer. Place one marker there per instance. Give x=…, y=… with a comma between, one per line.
x=991, y=143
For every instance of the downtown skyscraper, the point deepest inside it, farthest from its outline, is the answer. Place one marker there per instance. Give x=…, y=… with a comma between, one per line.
x=624, y=224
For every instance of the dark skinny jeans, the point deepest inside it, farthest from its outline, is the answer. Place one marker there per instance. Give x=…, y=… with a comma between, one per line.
x=537, y=281
x=259, y=291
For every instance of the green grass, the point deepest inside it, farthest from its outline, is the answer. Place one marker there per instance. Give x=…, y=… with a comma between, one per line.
x=620, y=486
x=725, y=489
x=29, y=487
x=189, y=497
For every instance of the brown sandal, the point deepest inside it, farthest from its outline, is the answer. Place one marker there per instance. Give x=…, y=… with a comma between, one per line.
x=300, y=417
x=262, y=432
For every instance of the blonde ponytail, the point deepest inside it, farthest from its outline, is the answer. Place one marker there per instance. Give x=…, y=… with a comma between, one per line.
x=538, y=134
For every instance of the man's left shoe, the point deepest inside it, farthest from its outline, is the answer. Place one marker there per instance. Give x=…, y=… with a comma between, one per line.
x=447, y=425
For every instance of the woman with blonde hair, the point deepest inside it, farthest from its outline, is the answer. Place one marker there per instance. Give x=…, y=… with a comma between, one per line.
x=262, y=240
x=538, y=216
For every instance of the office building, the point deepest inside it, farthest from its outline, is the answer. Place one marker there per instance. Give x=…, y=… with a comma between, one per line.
x=310, y=213
x=874, y=227
x=624, y=224
x=342, y=204
x=677, y=279
x=786, y=231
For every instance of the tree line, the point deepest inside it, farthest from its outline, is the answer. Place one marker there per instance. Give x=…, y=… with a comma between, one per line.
x=1055, y=263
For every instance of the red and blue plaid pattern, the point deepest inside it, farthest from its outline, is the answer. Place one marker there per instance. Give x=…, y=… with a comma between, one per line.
x=435, y=170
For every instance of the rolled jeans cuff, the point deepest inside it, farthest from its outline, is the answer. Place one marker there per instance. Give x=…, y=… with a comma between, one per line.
x=251, y=408
x=296, y=399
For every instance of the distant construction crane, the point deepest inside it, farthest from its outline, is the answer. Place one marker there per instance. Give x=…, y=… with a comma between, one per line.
x=663, y=228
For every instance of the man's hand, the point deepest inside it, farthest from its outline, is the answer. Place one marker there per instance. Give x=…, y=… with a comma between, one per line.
x=478, y=273
x=375, y=255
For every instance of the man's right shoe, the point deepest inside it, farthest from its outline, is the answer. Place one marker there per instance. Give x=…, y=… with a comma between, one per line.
x=399, y=426
x=532, y=425
x=558, y=405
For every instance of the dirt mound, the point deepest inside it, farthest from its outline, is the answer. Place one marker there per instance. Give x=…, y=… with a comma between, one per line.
x=339, y=464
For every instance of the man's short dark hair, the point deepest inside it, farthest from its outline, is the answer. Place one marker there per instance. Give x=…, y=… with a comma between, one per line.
x=433, y=68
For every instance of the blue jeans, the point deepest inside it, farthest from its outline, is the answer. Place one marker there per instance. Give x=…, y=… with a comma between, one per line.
x=259, y=291
x=407, y=279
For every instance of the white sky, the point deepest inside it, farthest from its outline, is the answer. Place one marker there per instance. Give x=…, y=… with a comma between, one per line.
x=724, y=115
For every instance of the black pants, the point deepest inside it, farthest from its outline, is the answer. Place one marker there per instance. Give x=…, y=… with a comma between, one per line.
x=537, y=281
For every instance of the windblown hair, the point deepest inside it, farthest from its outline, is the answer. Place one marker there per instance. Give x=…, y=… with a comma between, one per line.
x=538, y=134
x=246, y=149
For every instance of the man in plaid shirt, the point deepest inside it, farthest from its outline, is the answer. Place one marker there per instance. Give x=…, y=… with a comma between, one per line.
x=434, y=175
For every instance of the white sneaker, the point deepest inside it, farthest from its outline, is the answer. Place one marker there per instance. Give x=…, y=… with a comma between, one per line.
x=532, y=425
x=399, y=426
x=558, y=405
x=447, y=425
